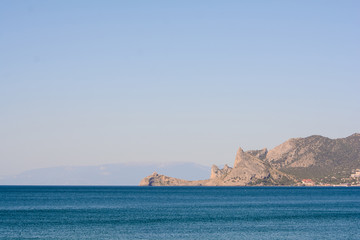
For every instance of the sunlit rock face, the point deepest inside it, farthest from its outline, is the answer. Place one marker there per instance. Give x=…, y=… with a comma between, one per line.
x=315, y=157
x=248, y=170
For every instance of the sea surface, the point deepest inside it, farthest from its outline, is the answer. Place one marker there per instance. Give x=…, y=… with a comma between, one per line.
x=38, y=212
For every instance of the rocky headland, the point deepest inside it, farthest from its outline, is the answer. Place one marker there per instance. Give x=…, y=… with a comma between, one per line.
x=321, y=159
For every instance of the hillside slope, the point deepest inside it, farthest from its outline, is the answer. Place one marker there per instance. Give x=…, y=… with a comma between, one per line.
x=317, y=157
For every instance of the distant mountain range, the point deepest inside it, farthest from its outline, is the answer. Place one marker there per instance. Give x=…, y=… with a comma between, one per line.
x=109, y=174
x=321, y=159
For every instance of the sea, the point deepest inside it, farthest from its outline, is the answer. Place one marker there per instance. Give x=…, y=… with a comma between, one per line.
x=104, y=212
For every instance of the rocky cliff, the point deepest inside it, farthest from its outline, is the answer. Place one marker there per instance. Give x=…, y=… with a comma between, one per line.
x=317, y=157
x=247, y=170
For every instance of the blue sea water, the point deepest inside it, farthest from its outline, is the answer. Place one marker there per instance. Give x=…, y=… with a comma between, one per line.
x=37, y=212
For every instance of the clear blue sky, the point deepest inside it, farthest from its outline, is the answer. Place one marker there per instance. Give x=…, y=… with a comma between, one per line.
x=92, y=82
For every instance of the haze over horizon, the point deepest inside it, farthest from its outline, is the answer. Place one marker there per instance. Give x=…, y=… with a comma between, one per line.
x=91, y=83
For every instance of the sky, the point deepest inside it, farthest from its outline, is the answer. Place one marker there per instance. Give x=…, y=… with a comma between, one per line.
x=97, y=82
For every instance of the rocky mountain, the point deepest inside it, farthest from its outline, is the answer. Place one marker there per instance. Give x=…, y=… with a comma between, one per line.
x=247, y=170
x=319, y=158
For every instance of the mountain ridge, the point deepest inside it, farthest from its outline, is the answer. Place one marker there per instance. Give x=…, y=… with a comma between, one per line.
x=321, y=158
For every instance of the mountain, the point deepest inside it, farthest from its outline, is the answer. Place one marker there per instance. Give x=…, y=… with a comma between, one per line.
x=108, y=174
x=247, y=170
x=319, y=158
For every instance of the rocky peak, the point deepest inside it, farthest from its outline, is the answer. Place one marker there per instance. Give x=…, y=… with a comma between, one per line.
x=240, y=155
x=216, y=172
x=246, y=160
